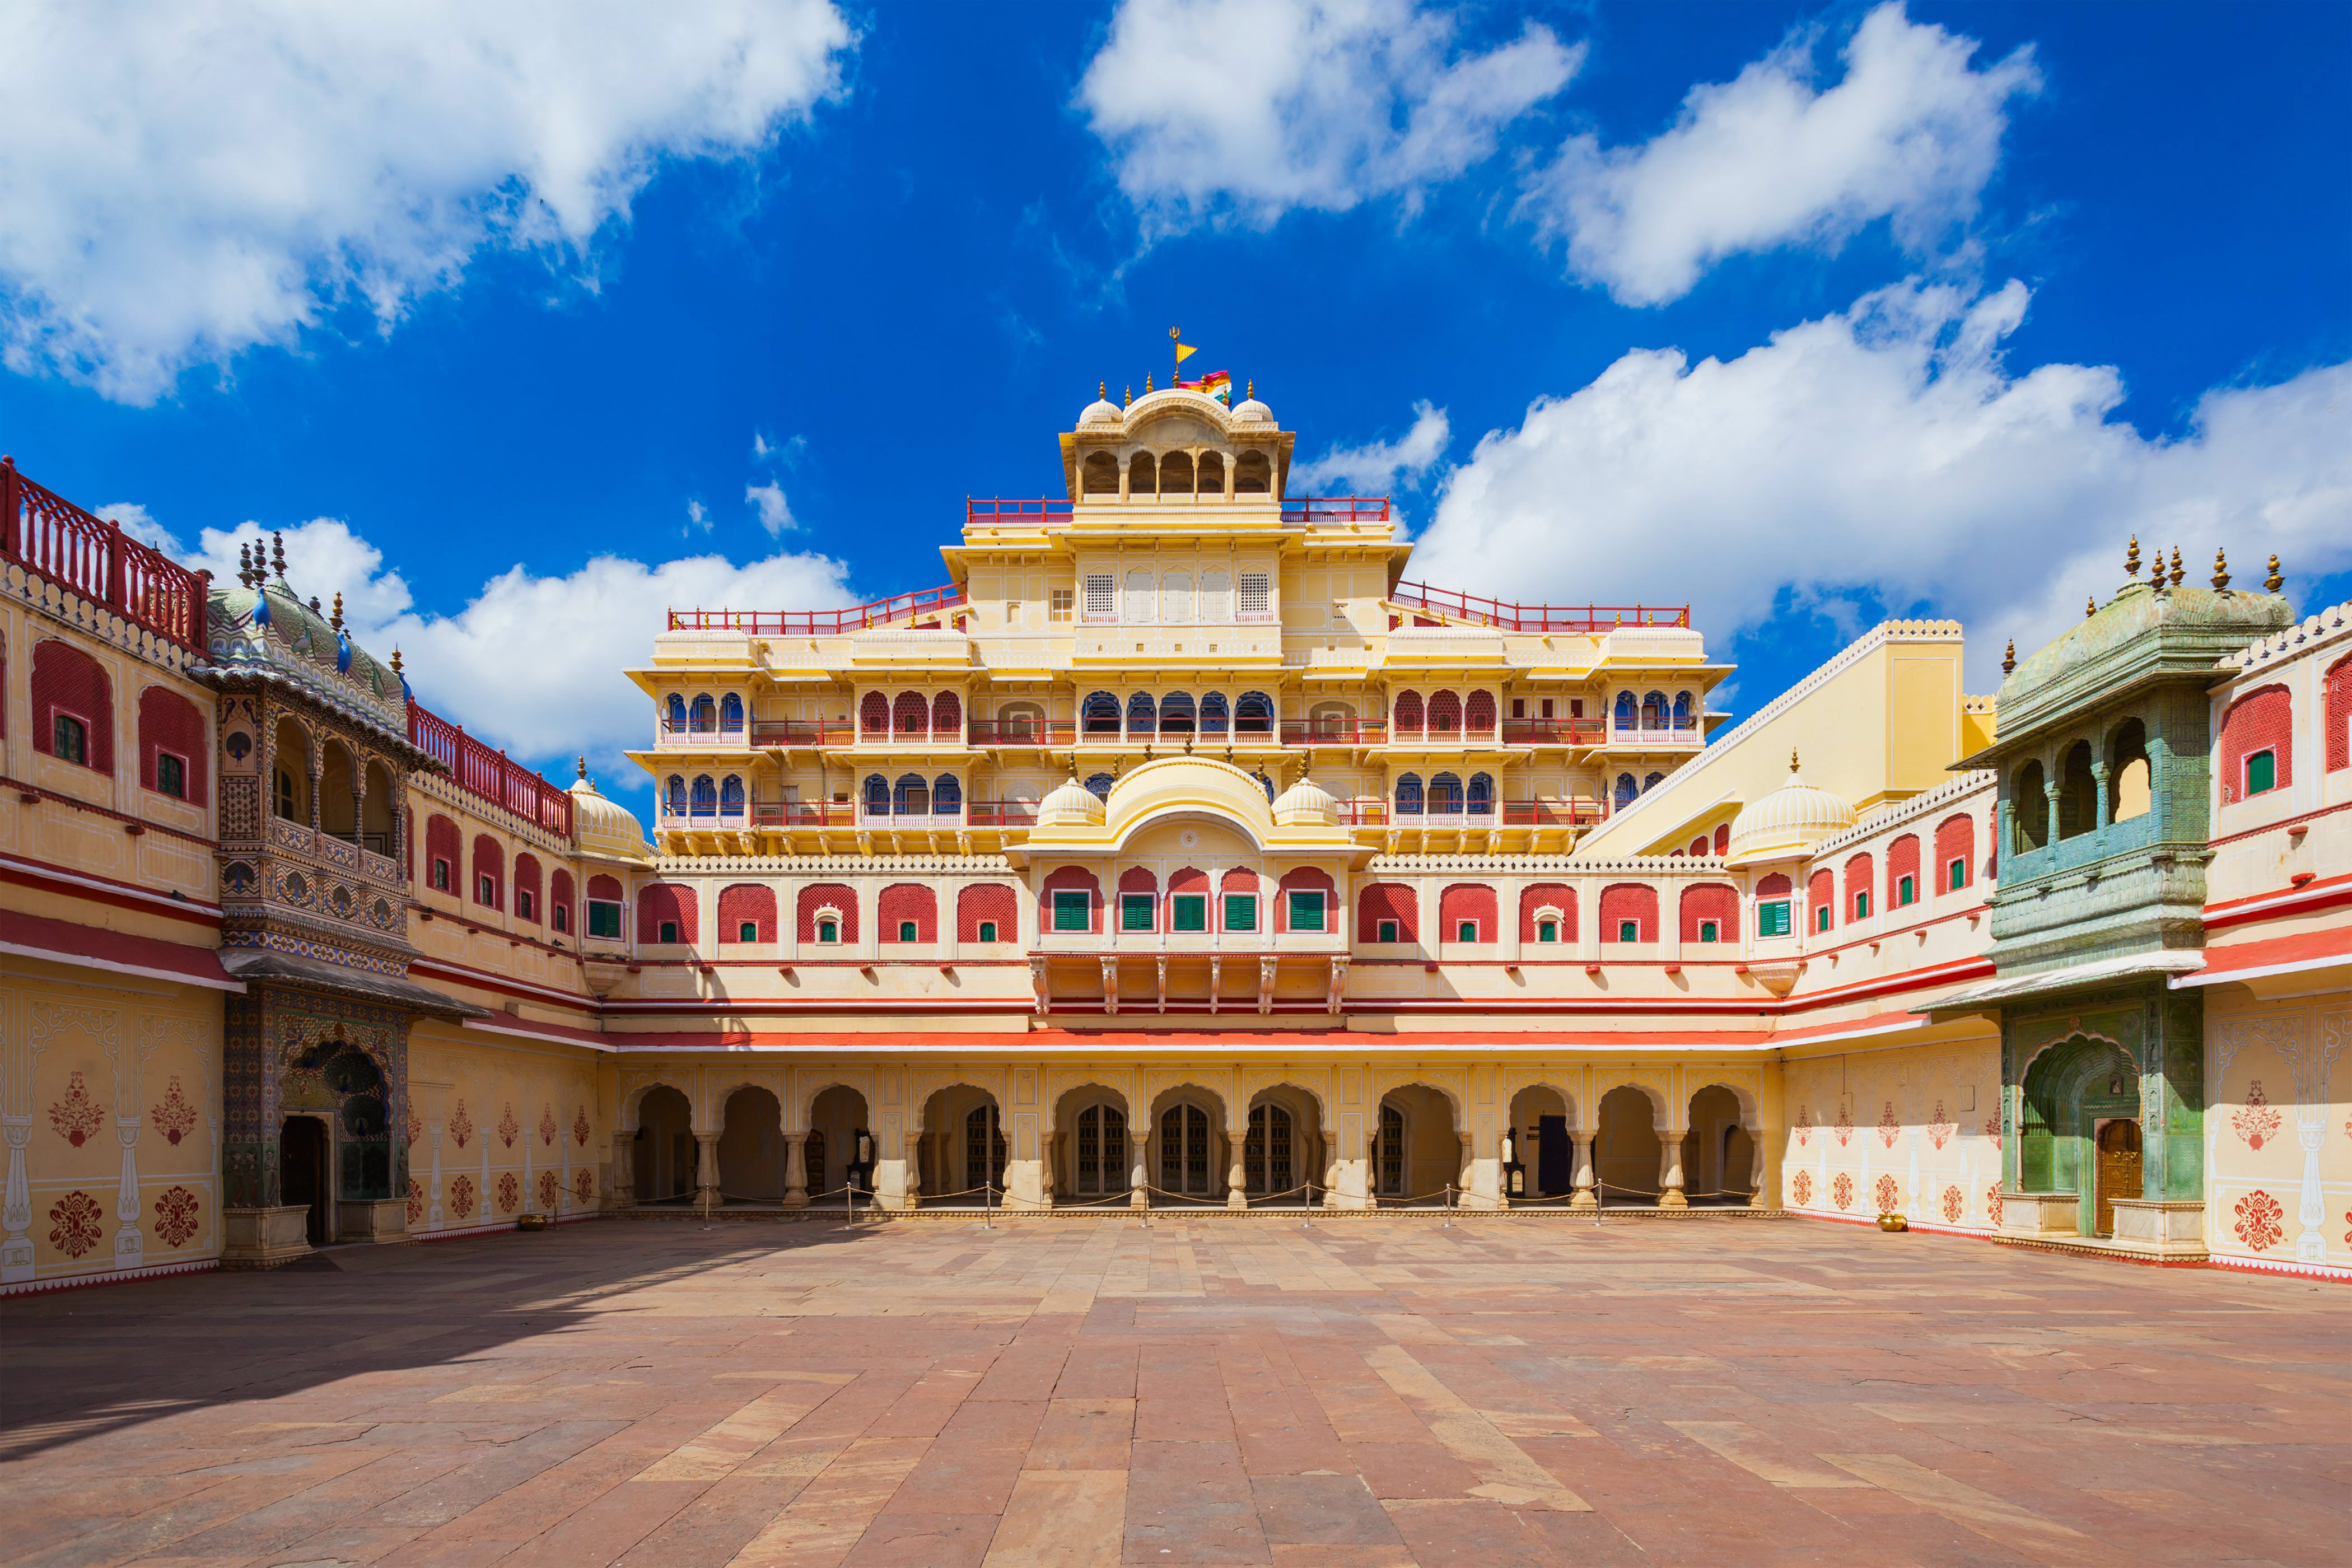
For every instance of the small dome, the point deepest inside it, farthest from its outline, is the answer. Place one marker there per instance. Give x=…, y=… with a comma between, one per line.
x=1070, y=804
x=1250, y=411
x=602, y=827
x=1101, y=412
x=1306, y=804
x=1788, y=823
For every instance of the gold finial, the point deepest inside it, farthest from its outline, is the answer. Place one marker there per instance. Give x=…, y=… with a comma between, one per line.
x=2008, y=659
x=1147, y=383
x=2090, y=606
x=1102, y=390
x=278, y=550
x=1130, y=396
x=2221, y=570
x=395, y=662
x=584, y=767
x=244, y=564
x=2176, y=573
x=337, y=620
x=2131, y=558
x=1792, y=759
x=314, y=605
x=1252, y=389
x=2273, y=583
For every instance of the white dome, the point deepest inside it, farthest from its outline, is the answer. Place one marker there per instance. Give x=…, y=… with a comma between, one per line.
x=1100, y=412
x=602, y=827
x=1250, y=411
x=1306, y=804
x=1788, y=823
x=1070, y=804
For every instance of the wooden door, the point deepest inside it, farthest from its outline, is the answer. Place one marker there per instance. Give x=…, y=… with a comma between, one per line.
x=1556, y=1156
x=2119, y=1170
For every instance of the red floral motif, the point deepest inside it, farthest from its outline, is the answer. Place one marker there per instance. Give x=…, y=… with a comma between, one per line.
x=415, y=1127
x=580, y=1127
x=583, y=1185
x=461, y=1126
x=2257, y=1119
x=1953, y=1203
x=1939, y=1130
x=1804, y=1127
x=1888, y=1128
x=175, y=1216
x=2348, y=1220
x=509, y=1192
x=1993, y=1204
x=547, y=1126
x=1842, y=1190
x=1844, y=1123
x=461, y=1195
x=1804, y=1188
x=2259, y=1215
x=175, y=1116
x=548, y=1187
x=416, y=1202
x=1992, y=1131
x=77, y=1116
x=1889, y=1196
x=508, y=1127
x=74, y=1221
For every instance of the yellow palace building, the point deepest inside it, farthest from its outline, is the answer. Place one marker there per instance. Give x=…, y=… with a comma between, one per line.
x=1181, y=850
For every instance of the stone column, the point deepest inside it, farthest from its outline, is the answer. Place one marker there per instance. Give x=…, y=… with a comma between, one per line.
x=2099, y=776
x=1331, y=1169
x=1139, y=1167
x=796, y=1171
x=621, y=1185
x=1586, y=1193
x=1236, y=1171
x=130, y=1243
x=912, y=1164
x=1670, y=1169
x=706, y=1169
x=16, y=1208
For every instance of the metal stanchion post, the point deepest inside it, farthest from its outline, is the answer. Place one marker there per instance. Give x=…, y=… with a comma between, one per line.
x=1448, y=1225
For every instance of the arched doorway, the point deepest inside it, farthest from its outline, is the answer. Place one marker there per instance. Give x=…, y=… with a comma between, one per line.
x=835, y=1135
x=962, y=1145
x=1542, y=1150
x=1188, y=1158
x=2072, y=1093
x=1417, y=1154
x=302, y=1156
x=752, y=1148
x=1719, y=1154
x=1282, y=1151
x=1626, y=1150
x=1091, y=1147
x=664, y=1148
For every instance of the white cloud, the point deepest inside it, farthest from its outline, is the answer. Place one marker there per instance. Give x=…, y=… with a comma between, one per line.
x=1912, y=133
x=775, y=516
x=1888, y=450
x=184, y=183
x=696, y=516
x=1375, y=468
x=1246, y=109
x=532, y=664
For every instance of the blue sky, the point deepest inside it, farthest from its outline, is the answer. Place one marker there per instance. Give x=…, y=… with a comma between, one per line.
x=1805, y=315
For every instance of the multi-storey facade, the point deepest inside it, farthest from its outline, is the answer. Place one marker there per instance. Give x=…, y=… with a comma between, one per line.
x=1181, y=849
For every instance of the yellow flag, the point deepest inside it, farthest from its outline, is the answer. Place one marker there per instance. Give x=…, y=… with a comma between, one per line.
x=1184, y=352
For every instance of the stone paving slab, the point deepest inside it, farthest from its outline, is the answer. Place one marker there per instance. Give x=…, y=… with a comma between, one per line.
x=1376, y=1395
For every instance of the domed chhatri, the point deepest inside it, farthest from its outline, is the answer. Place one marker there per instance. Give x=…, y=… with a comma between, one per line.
x=1070, y=804
x=1787, y=824
x=1101, y=412
x=1306, y=804
x=1250, y=411
x=260, y=626
x=603, y=828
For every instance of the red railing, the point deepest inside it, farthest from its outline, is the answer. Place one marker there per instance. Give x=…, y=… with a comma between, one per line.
x=795, y=814
x=1334, y=731
x=1020, y=732
x=1511, y=617
x=1335, y=509
x=999, y=813
x=822, y=623
x=996, y=509
x=1550, y=812
x=1553, y=732
x=490, y=776
x=1372, y=813
x=802, y=732
x=94, y=558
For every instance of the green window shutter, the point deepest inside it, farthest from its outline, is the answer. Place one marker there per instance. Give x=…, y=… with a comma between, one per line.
x=1772, y=919
x=1305, y=911
x=1070, y=910
x=1188, y=912
x=1134, y=911
x=2261, y=773
x=1241, y=911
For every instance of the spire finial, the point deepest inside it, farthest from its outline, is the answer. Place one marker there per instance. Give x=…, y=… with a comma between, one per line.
x=2176, y=573
x=1147, y=383
x=245, y=566
x=1252, y=388
x=583, y=767
x=2131, y=558
x=2273, y=583
x=1792, y=759
x=336, y=620
x=277, y=551
x=2008, y=659
x=2090, y=606
x=395, y=662
x=1102, y=390
x=2221, y=570
x=1130, y=396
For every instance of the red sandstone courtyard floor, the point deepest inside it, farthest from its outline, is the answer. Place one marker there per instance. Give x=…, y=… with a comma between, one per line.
x=1384, y=1392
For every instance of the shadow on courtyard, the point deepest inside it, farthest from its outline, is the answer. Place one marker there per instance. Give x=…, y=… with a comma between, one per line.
x=77, y=1364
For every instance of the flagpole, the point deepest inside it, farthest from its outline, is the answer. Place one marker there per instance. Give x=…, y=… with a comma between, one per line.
x=1175, y=349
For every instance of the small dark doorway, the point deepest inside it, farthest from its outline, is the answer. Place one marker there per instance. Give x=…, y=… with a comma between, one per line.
x=1555, y=1155
x=2119, y=1169
x=303, y=1172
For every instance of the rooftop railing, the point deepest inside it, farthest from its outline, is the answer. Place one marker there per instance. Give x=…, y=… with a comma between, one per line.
x=488, y=774
x=823, y=623
x=1505, y=616
x=94, y=558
